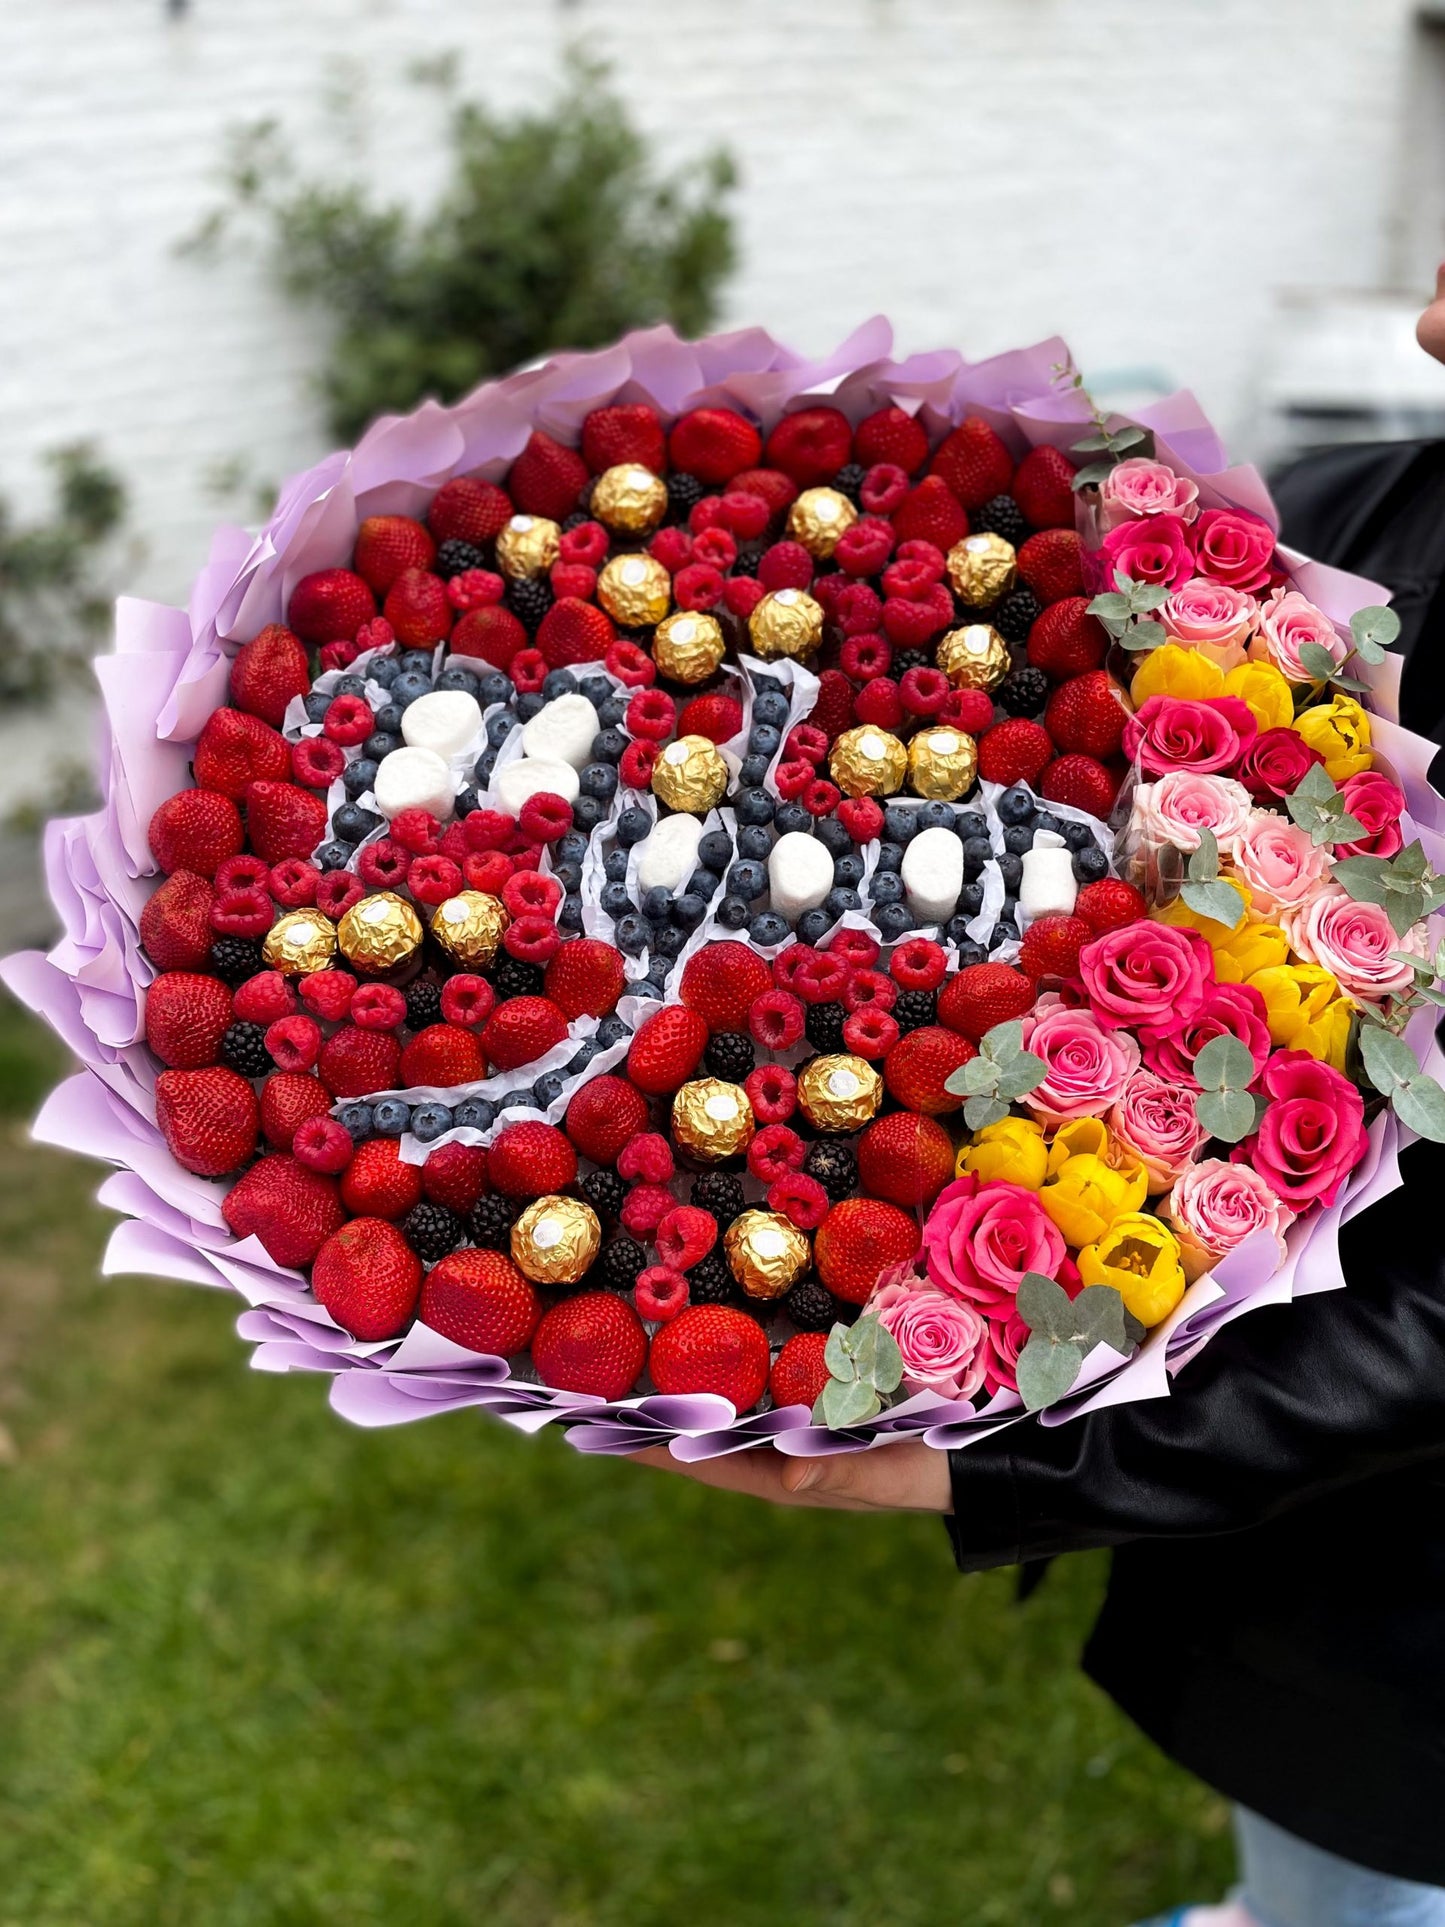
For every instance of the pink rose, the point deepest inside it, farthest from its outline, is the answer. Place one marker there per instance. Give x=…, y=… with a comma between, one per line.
x=1233, y=547
x=1372, y=799
x=943, y=1340
x=1280, y=865
x=1155, y=1120
x=1275, y=764
x=1139, y=487
x=980, y=1239
x=1182, y=803
x=1228, y=1010
x=1213, y=618
x=1088, y=1066
x=1006, y=1339
x=1177, y=732
x=1153, y=550
x=1354, y=942
x=1215, y=1206
x=1287, y=622
x=1146, y=977
x=1313, y=1134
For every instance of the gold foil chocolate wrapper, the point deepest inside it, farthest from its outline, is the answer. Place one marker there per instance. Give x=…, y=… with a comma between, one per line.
x=818, y=518
x=712, y=1120
x=300, y=942
x=839, y=1093
x=786, y=623
x=528, y=545
x=868, y=761
x=469, y=927
x=974, y=658
x=687, y=647
x=555, y=1240
x=981, y=568
x=629, y=499
x=766, y=1253
x=635, y=590
x=942, y=763
x=379, y=933
x=690, y=774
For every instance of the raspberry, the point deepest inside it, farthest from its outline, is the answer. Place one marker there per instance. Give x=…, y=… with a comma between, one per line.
x=772, y=1092
x=547, y=478
x=865, y=656
x=647, y=1156
x=574, y=631
x=1066, y=640
x=774, y=1152
x=1051, y=563
x=967, y=709
x=630, y=665
x=858, y=1241
x=715, y=444
x=775, y=1020
x=263, y=998
x=862, y=818
x=644, y=1209
x=711, y=1348
x=790, y=779
x=294, y=1043
x=910, y=625
x=268, y=672
x=637, y=764
x=196, y=830
x=685, y=1236
x=905, y=1158
x=529, y=1159
x=480, y=1299
x=475, y=589
x=883, y=489
x=322, y=1144
x=1044, y=488
x=810, y=446
x=1015, y=751
x=1080, y=783
x=528, y=671
x=209, y=1119
x=918, y=964
x=800, y=1199
x=328, y=994
x=870, y=1033
x=592, y=1343
x=534, y=939
x=660, y=1293
x=917, y=1068
x=924, y=691
x=890, y=435
x=806, y=742
x=330, y=603
x=820, y=976
x=878, y=702
x=697, y=586
x=985, y=994
x=1109, y=904
x=544, y=817
x=770, y=485
x=337, y=891
x=974, y=464
x=744, y=515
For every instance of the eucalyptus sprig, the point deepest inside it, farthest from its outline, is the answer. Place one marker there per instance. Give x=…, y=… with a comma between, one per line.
x=1318, y=807
x=1125, y=609
x=1373, y=630
x=1206, y=892
x=1109, y=445
x=1062, y=1332
x=1224, y=1103
x=865, y=1367
x=1002, y=1072
x=1404, y=886
x=1394, y=1070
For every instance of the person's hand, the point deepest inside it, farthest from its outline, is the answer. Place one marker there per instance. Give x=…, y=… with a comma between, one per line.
x=891, y=1478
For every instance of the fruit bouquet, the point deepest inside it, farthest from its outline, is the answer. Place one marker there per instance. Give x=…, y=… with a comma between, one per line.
x=710, y=898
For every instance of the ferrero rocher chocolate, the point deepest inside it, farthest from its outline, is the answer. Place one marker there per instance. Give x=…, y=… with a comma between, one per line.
x=818, y=518
x=629, y=499
x=555, y=1240
x=635, y=590
x=839, y=1093
x=982, y=568
x=766, y=1253
x=527, y=546
x=974, y=658
x=712, y=1120
x=688, y=646
x=786, y=623
x=868, y=762
x=300, y=942
x=690, y=774
x=469, y=927
x=942, y=763
x=379, y=933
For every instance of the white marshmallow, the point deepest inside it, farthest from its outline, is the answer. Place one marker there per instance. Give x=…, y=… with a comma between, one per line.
x=562, y=732
x=534, y=776
x=1049, y=887
x=414, y=779
x=447, y=721
x=800, y=874
x=669, y=856
x=933, y=874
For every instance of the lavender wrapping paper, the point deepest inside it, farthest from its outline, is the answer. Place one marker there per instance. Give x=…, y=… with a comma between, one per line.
x=168, y=671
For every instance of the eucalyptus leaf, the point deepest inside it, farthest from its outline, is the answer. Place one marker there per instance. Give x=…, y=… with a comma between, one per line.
x=1111, y=608
x=1431, y=996
x=864, y=1348
x=1146, y=635
x=1346, y=829
x=977, y=1078
x=1045, y=1306
x=1045, y=1372
x=848, y=1404
x=1404, y=909
x=836, y=1356
x=1145, y=596
x=1023, y=1075
x=1224, y=1064
x=1315, y=786
x=1411, y=861
x=1004, y=1042
x=1420, y=1105
x=1374, y=629
x=1093, y=473
x=888, y=1363
x=980, y=1112
x=1204, y=861
x=1228, y=1115
x=1388, y=1059
x=1318, y=661
x=1363, y=878
x=1092, y=444
x=1129, y=437
x=1219, y=902
x=1099, y=1318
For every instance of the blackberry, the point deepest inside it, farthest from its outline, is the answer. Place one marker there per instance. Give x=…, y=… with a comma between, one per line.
x=720, y=1193
x=1001, y=515
x=730, y=1055
x=710, y=1282
x=575, y=520
x=906, y=659
x=834, y=1166
x=912, y=1009
x=620, y=1263
x=529, y=600
x=455, y=556
x=515, y=977
x=849, y=480
x=423, y=1003
x=824, y=1026
x=604, y=1191
x=747, y=559
x=1017, y=614
x=684, y=492
x=490, y=1224
x=234, y=959
x=811, y=1306
x=431, y=1231
x=1023, y=692
x=243, y=1048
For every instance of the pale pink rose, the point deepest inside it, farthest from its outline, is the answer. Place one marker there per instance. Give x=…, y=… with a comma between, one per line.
x=1287, y=621
x=1087, y=1065
x=1353, y=941
x=980, y=1239
x=1213, y=618
x=1278, y=863
x=943, y=1340
x=1372, y=799
x=1155, y=1120
x=1182, y=803
x=1140, y=487
x=1214, y=1206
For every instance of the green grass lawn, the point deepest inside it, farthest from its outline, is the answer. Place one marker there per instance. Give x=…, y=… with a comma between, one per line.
x=258, y=1668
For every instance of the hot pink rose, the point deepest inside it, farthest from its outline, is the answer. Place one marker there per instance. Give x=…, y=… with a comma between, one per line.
x=1006, y=1339
x=1155, y=1120
x=1372, y=799
x=1146, y=977
x=1153, y=550
x=1280, y=865
x=943, y=1340
x=1213, y=618
x=1354, y=942
x=1275, y=764
x=1233, y=547
x=1313, y=1134
x=1140, y=487
x=980, y=1239
x=1215, y=1206
x=1182, y=803
x=1088, y=1066
x=1177, y=732
x=1287, y=622
x=1228, y=1010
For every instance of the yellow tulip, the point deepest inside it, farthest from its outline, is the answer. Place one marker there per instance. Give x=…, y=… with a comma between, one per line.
x=1182, y=917
x=1340, y=731
x=1078, y=1137
x=1011, y=1151
x=1088, y=1195
x=1170, y=670
x=1249, y=948
x=1305, y=1010
x=1141, y=1259
x=1265, y=693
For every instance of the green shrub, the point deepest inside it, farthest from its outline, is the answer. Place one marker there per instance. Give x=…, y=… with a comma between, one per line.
x=52, y=606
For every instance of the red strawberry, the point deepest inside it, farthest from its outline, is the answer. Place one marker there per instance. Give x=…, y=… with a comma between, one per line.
x=455, y=1175
x=574, y=631
x=1044, y=488
x=833, y=711
x=585, y=978
x=1088, y=713
x=890, y=435
x=930, y=513
x=974, y=463
x=770, y=485
x=208, y=1118
x=711, y=1348
x=479, y=1299
x=917, y=1067
x=236, y=750
x=603, y=1115
x=858, y=1241
x=378, y=1183
x=592, y=1343
x=1066, y=640
x=442, y=1054
x=666, y=1046
x=1051, y=563
x=530, y=1159
x=1081, y=782
x=547, y=478
x=187, y=1015
x=713, y=715
x=290, y=1210
x=1051, y=947
x=1014, y=751
x=493, y=634
x=714, y=444
x=387, y=546
x=367, y=1276
x=720, y=982
x=810, y=446
x=799, y=1374
x=290, y=1099
x=467, y=509
x=905, y=1158
x=196, y=830
x=1109, y=904
x=631, y=432
x=175, y=925
x=284, y=820
x=355, y=1062
x=521, y=1030
x=982, y=995
x=268, y=672
x=419, y=609
x=330, y=606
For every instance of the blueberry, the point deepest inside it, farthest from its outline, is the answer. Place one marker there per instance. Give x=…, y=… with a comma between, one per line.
x=754, y=842
x=614, y=867
x=390, y=1117
x=1009, y=911
x=791, y=817
x=764, y=739
x=466, y=801
x=588, y=812
x=384, y=670
x=970, y=825
x=485, y=764
x=500, y=727
x=747, y=880
x=753, y=772
x=569, y=913
x=559, y=682
x=615, y=900
x=597, y=690
x=976, y=852
x=358, y=777
x=833, y=837
x=733, y=913
x=886, y=886
x=380, y=743
x=1077, y=836
x=689, y=910
x=462, y=680
x=417, y=660
x=632, y=934
x=1091, y=864
x=316, y=706
x=768, y=686
x=530, y=705
x=956, y=929
x=1016, y=805
x=611, y=713
x=611, y=1030
x=657, y=903
x=356, y=1120
x=848, y=870
x=970, y=899
x=890, y=859
x=705, y=884
x=334, y=856
x=348, y=686
x=1018, y=837
x=571, y=847
x=669, y=941
x=599, y=780
x=546, y=1089
x=767, y=928
x=648, y=989
x=899, y=824
x=936, y=816
x=1003, y=933
x=715, y=849
x=971, y=953
x=840, y=900
x=569, y=875
x=632, y=825
x=518, y=1101
x=429, y=1121
x=582, y=1056
x=351, y=822
x=608, y=746
x=1046, y=820
x=1011, y=869
x=754, y=806
x=770, y=708
x=894, y=920
x=813, y=926
x=409, y=686
x=495, y=688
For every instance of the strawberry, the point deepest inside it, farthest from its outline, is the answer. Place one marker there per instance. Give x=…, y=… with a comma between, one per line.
x=529, y=1159
x=891, y=435
x=521, y=1030
x=268, y=672
x=479, y=1299
x=367, y=1276
x=387, y=546
x=355, y=1062
x=628, y=433
x=547, y=478
x=1044, y=488
x=919, y=1064
x=810, y=446
x=444, y=1055
x=720, y=983
x=666, y=1047
x=208, y=1118
x=494, y=635
x=858, y=1241
x=603, y=1115
x=455, y=1175
x=467, y=509
x=419, y=609
x=1066, y=640
x=175, y=925
x=1109, y=904
x=799, y=1374
x=1051, y=563
x=974, y=463
x=290, y=1099
x=713, y=715
x=1014, y=751
x=1088, y=713
x=284, y=820
x=905, y=1158
x=291, y=1211
x=378, y=1183
x=236, y=750
x=833, y=710
x=585, y=978
x=329, y=606
x=1051, y=946
x=770, y=485
x=931, y=514
x=1080, y=782
x=592, y=1343
x=196, y=830
x=714, y=444
x=982, y=995
x=574, y=631
x=711, y=1348
x=186, y=1016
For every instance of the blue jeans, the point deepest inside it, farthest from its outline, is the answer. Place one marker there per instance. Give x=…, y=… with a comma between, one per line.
x=1285, y=1882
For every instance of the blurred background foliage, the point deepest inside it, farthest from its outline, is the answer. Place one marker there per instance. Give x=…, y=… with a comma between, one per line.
x=54, y=598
